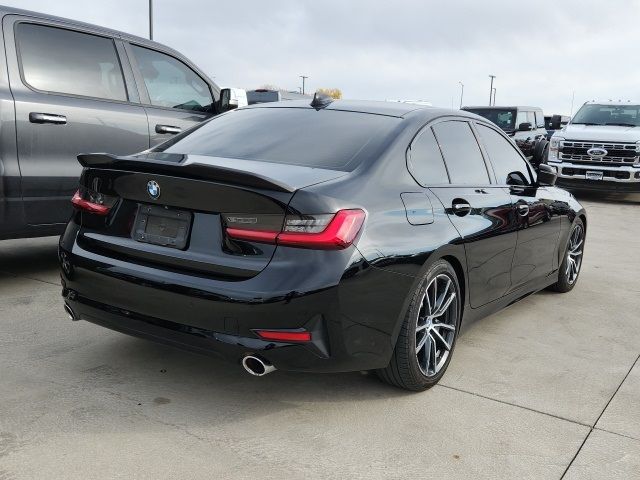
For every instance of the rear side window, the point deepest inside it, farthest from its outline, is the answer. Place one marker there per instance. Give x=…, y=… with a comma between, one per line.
x=510, y=167
x=170, y=83
x=461, y=153
x=65, y=61
x=425, y=160
x=539, y=119
x=296, y=136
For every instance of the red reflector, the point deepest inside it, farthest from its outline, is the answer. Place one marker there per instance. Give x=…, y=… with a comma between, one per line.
x=341, y=231
x=87, y=206
x=284, y=335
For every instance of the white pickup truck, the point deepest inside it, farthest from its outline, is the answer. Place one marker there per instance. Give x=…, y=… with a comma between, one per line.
x=600, y=148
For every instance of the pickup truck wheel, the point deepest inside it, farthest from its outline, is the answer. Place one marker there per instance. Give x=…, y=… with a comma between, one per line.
x=570, y=268
x=429, y=332
x=540, y=152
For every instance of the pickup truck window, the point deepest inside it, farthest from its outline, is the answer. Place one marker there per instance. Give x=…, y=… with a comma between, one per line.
x=57, y=60
x=505, y=119
x=170, y=83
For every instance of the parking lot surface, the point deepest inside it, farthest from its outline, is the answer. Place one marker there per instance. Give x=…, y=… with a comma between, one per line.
x=548, y=388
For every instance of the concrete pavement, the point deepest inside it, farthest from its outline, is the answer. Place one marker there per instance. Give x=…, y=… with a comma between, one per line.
x=547, y=388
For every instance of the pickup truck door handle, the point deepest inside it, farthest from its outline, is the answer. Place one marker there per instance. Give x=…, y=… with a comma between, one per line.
x=523, y=209
x=35, y=117
x=168, y=129
x=460, y=207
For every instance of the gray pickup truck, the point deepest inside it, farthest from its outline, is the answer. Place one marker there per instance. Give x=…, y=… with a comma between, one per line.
x=68, y=88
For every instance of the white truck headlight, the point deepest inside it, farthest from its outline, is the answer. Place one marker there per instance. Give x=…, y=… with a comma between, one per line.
x=554, y=147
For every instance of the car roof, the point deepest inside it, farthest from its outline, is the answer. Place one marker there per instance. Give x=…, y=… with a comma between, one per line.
x=391, y=109
x=495, y=107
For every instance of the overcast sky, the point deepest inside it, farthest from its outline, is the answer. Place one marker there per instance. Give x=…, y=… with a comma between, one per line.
x=540, y=51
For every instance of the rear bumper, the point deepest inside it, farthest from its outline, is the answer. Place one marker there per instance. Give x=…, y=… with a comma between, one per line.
x=352, y=320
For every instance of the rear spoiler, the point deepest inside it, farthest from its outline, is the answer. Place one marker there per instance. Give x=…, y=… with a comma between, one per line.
x=175, y=165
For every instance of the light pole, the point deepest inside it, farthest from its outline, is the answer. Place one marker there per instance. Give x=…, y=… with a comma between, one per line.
x=494, y=89
x=303, y=77
x=461, y=93
x=150, y=19
x=573, y=97
x=491, y=88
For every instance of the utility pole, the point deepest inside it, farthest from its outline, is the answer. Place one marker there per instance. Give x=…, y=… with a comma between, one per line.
x=573, y=97
x=491, y=88
x=303, y=77
x=461, y=92
x=494, y=89
x=150, y=19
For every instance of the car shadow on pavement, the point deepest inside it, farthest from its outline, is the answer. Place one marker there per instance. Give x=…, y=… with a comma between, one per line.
x=147, y=373
x=32, y=258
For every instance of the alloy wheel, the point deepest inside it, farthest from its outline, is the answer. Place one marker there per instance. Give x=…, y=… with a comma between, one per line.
x=436, y=324
x=574, y=254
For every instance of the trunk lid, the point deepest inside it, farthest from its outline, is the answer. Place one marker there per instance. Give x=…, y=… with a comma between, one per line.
x=170, y=210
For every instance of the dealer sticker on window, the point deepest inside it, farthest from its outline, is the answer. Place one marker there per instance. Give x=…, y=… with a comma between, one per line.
x=594, y=175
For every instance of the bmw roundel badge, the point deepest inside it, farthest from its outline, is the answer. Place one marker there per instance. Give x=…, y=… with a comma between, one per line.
x=153, y=189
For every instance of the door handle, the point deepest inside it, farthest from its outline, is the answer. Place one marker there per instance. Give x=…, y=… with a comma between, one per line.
x=460, y=207
x=168, y=129
x=523, y=209
x=35, y=117
x=480, y=190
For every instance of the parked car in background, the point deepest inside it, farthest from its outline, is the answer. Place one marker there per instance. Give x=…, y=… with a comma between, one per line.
x=554, y=123
x=325, y=237
x=263, y=95
x=526, y=125
x=600, y=148
x=66, y=88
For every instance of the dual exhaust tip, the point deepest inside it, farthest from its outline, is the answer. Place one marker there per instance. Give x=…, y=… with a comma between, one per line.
x=257, y=366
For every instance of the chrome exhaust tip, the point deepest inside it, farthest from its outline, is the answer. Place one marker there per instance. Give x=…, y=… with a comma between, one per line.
x=70, y=313
x=256, y=366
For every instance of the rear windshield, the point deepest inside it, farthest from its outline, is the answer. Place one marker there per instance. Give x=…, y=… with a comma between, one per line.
x=505, y=119
x=621, y=115
x=329, y=139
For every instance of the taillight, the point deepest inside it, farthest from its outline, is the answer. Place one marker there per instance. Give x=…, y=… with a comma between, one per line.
x=90, y=201
x=326, y=231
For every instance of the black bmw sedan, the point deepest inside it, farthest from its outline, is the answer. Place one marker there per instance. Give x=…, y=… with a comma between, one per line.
x=323, y=237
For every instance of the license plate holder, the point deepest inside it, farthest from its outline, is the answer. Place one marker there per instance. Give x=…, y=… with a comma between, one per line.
x=590, y=175
x=163, y=226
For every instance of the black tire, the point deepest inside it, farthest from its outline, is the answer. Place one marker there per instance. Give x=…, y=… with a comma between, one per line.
x=540, y=152
x=565, y=281
x=404, y=370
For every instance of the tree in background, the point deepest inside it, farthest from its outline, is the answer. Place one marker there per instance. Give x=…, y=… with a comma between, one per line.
x=331, y=92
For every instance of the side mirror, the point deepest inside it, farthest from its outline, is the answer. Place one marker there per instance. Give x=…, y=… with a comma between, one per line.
x=556, y=122
x=226, y=103
x=547, y=175
x=525, y=127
